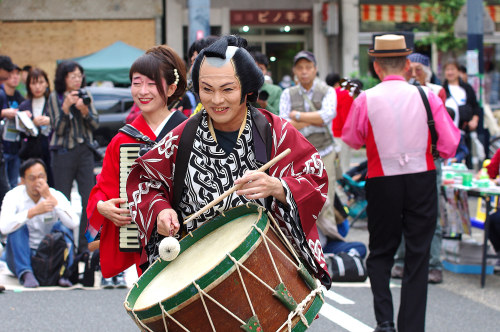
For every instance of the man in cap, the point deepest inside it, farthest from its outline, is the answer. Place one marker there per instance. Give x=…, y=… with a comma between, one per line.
x=420, y=72
x=229, y=141
x=310, y=106
x=391, y=120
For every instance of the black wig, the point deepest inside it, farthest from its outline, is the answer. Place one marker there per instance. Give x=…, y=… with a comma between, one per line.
x=249, y=75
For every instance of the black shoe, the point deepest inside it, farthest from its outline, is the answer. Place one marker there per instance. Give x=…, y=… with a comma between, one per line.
x=385, y=327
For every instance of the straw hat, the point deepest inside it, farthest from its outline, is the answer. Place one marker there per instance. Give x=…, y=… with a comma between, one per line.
x=389, y=46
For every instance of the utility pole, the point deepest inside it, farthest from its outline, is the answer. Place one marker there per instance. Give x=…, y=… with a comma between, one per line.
x=475, y=48
x=199, y=19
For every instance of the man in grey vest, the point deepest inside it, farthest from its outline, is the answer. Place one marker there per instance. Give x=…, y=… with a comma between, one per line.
x=310, y=106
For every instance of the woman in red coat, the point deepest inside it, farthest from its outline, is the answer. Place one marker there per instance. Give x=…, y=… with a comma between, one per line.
x=158, y=78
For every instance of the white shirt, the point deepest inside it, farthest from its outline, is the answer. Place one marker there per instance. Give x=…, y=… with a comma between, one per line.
x=458, y=94
x=14, y=214
x=457, y=98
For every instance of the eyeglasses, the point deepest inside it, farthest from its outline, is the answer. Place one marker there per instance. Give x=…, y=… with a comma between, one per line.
x=76, y=77
x=32, y=178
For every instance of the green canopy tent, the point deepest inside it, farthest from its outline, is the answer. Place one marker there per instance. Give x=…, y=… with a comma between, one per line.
x=112, y=63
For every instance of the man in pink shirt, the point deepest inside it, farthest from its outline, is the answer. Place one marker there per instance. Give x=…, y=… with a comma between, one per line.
x=391, y=120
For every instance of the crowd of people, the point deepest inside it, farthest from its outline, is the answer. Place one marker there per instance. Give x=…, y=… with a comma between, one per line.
x=44, y=134
x=239, y=120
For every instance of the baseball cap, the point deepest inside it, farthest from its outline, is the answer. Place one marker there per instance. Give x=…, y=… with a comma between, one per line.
x=420, y=58
x=304, y=55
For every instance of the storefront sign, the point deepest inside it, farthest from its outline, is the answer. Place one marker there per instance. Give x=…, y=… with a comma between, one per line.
x=271, y=17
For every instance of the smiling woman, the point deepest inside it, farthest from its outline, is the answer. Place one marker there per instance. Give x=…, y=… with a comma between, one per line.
x=158, y=78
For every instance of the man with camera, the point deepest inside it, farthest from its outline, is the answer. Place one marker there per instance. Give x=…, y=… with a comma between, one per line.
x=73, y=118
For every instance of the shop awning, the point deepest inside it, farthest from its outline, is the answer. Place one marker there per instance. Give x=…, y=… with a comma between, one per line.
x=407, y=13
x=494, y=11
x=391, y=13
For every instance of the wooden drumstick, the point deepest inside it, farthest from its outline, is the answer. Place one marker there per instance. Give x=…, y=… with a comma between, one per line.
x=238, y=186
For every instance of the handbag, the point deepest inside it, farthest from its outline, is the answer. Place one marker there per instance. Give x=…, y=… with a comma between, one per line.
x=430, y=123
x=465, y=113
x=31, y=147
x=94, y=147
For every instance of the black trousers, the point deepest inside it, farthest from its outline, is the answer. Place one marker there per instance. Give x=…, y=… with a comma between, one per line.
x=75, y=164
x=401, y=205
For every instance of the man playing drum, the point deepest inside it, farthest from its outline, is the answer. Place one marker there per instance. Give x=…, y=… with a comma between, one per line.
x=222, y=146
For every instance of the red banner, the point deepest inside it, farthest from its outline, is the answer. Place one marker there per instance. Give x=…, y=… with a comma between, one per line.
x=271, y=17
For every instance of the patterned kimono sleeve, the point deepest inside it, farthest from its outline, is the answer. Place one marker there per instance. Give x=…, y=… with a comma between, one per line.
x=304, y=181
x=149, y=185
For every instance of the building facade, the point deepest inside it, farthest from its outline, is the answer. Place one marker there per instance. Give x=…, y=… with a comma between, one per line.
x=339, y=32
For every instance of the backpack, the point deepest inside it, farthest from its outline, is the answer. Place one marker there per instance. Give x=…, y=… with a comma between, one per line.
x=51, y=259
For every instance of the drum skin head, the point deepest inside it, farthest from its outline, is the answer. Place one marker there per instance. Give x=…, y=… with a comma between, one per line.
x=204, y=281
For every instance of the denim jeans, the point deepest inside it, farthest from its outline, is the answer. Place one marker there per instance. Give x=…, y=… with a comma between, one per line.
x=12, y=165
x=337, y=246
x=18, y=252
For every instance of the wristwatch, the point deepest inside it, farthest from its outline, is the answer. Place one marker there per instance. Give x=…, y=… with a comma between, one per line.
x=297, y=116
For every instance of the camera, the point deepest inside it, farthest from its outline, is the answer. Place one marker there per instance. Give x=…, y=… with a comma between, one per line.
x=263, y=95
x=82, y=93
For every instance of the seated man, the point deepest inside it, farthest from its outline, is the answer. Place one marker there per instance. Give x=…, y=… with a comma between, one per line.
x=29, y=212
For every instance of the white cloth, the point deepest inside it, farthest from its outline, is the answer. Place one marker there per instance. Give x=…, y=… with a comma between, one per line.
x=14, y=214
x=164, y=122
x=37, y=106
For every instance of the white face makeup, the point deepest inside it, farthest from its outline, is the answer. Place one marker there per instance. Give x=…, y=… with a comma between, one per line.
x=220, y=94
x=145, y=93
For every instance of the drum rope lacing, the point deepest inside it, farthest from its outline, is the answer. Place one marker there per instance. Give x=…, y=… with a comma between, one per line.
x=202, y=292
x=301, y=307
x=165, y=313
x=140, y=322
x=284, y=238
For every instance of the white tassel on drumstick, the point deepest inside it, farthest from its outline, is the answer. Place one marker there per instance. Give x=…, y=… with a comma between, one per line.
x=167, y=247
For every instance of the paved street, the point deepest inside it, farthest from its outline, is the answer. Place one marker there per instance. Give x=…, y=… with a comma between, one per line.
x=458, y=304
